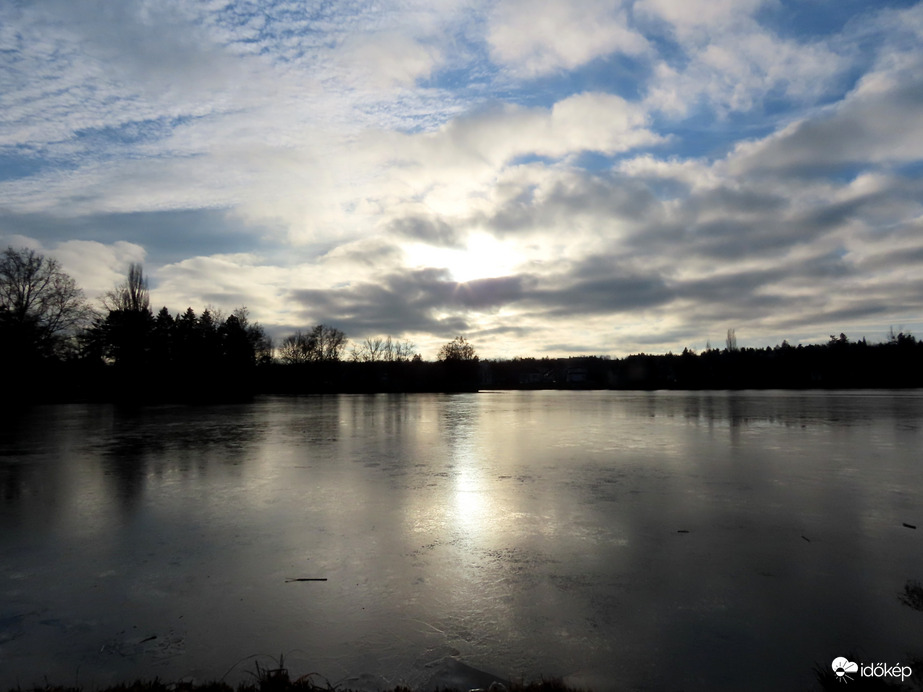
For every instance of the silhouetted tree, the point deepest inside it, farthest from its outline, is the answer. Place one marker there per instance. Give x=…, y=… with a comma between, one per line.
x=901, y=339
x=209, y=347
x=397, y=351
x=127, y=338
x=731, y=341
x=124, y=335
x=329, y=343
x=132, y=294
x=369, y=351
x=458, y=349
x=258, y=342
x=186, y=345
x=459, y=363
x=163, y=336
x=323, y=344
x=39, y=304
x=236, y=350
x=296, y=348
x=383, y=349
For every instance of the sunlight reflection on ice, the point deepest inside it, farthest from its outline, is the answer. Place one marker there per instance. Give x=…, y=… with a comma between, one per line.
x=554, y=533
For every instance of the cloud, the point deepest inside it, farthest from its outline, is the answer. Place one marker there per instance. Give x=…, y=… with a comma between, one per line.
x=226, y=282
x=583, y=122
x=387, y=60
x=879, y=122
x=686, y=17
x=376, y=252
x=569, y=198
x=606, y=295
x=732, y=63
x=433, y=231
x=448, y=169
x=165, y=108
x=409, y=300
x=96, y=267
x=536, y=37
x=74, y=68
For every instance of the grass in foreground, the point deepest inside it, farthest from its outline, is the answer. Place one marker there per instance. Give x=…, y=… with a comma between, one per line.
x=277, y=679
x=282, y=683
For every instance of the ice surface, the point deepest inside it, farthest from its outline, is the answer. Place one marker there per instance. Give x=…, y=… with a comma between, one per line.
x=702, y=541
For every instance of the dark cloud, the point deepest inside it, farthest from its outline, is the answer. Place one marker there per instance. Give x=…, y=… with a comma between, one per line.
x=429, y=300
x=734, y=225
x=730, y=287
x=409, y=301
x=216, y=298
x=736, y=201
x=167, y=236
x=892, y=259
x=372, y=253
x=600, y=296
x=828, y=266
x=860, y=309
x=602, y=196
x=428, y=230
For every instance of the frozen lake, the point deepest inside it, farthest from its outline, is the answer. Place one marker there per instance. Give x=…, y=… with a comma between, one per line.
x=623, y=540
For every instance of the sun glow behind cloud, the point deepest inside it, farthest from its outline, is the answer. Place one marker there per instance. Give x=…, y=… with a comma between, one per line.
x=483, y=257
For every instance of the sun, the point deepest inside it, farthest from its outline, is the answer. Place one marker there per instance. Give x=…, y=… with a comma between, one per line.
x=484, y=257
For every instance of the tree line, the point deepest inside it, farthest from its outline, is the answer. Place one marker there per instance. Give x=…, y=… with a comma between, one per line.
x=837, y=364
x=121, y=349
x=56, y=345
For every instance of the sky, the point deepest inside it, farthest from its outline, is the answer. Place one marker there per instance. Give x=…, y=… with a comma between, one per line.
x=544, y=177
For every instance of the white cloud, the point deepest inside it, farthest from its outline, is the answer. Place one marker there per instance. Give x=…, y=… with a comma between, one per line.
x=536, y=37
x=598, y=122
x=97, y=267
x=225, y=282
x=689, y=15
x=733, y=63
x=387, y=60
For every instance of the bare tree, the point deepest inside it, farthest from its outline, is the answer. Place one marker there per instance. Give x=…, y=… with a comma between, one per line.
x=36, y=294
x=374, y=349
x=132, y=295
x=731, y=341
x=387, y=349
x=404, y=351
x=260, y=341
x=296, y=348
x=329, y=342
x=322, y=344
